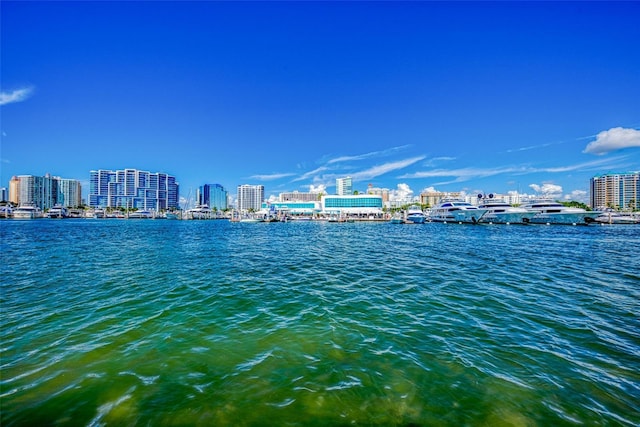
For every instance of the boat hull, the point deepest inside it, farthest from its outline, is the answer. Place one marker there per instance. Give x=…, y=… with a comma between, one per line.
x=583, y=218
x=507, y=217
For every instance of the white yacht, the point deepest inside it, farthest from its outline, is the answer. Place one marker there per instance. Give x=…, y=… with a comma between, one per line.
x=200, y=212
x=456, y=211
x=613, y=217
x=415, y=215
x=57, y=211
x=549, y=212
x=499, y=212
x=27, y=212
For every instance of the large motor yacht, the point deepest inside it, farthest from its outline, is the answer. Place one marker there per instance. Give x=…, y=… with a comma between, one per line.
x=549, y=212
x=456, y=211
x=499, y=212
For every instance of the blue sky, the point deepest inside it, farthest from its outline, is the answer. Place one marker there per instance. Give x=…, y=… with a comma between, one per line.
x=491, y=97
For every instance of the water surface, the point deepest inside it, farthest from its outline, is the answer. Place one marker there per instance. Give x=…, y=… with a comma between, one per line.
x=142, y=322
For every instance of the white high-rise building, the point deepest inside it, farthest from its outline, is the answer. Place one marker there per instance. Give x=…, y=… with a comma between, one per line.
x=344, y=186
x=250, y=197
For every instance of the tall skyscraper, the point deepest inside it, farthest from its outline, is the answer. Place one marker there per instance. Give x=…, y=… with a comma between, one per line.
x=344, y=186
x=214, y=196
x=250, y=197
x=44, y=192
x=132, y=188
x=616, y=190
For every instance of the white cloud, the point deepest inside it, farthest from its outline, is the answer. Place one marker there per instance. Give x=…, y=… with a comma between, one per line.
x=317, y=189
x=547, y=190
x=613, y=139
x=271, y=177
x=366, y=155
x=429, y=190
x=17, y=95
x=578, y=196
x=310, y=173
x=403, y=193
x=385, y=168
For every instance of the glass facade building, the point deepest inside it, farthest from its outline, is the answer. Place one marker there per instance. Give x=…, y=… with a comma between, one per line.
x=132, y=188
x=214, y=196
x=354, y=204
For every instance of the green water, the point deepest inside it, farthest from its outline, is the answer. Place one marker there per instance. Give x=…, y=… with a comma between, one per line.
x=110, y=322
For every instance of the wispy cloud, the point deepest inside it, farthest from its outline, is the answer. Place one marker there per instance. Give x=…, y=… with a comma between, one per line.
x=17, y=95
x=271, y=177
x=612, y=140
x=467, y=174
x=310, y=174
x=385, y=168
x=367, y=155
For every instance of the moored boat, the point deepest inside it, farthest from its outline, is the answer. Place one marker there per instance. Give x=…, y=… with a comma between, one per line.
x=456, y=211
x=57, y=211
x=499, y=212
x=27, y=212
x=415, y=215
x=613, y=217
x=549, y=212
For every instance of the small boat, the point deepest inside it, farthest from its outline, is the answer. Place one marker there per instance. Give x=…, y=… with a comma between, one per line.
x=503, y=213
x=396, y=219
x=27, y=212
x=456, y=211
x=415, y=215
x=171, y=215
x=613, y=217
x=549, y=212
x=140, y=215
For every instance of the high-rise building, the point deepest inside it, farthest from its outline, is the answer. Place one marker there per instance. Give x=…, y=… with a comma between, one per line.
x=132, y=188
x=44, y=192
x=69, y=193
x=214, y=196
x=4, y=194
x=344, y=186
x=616, y=190
x=250, y=197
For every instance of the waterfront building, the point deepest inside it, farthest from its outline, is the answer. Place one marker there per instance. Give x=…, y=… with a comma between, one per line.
x=4, y=194
x=344, y=186
x=297, y=196
x=14, y=190
x=214, y=196
x=354, y=205
x=382, y=192
x=250, y=197
x=69, y=193
x=132, y=188
x=44, y=192
x=432, y=198
x=293, y=207
x=616, y=190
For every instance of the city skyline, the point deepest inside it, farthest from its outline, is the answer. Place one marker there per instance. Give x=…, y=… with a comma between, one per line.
x=489, y=97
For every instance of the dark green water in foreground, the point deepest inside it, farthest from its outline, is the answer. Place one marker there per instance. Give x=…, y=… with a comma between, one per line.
x=142, y=322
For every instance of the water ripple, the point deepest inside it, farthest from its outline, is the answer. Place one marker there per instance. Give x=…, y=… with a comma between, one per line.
x=162, y=322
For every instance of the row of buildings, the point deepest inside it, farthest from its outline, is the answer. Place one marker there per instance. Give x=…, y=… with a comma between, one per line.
x=156, y=191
